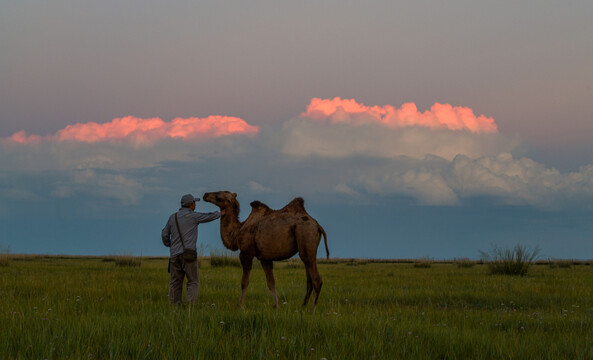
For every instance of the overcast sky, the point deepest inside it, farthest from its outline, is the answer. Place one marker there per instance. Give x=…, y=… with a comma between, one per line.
x=411, y=129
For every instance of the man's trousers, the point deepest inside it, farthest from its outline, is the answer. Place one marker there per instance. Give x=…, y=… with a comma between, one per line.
x=180, y=269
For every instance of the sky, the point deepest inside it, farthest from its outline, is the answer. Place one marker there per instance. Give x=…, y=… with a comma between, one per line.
x=411, y=129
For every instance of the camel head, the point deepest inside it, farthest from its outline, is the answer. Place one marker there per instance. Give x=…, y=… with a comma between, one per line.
x=222, y=199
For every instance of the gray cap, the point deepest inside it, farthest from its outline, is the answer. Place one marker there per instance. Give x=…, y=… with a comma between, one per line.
x=187, y=199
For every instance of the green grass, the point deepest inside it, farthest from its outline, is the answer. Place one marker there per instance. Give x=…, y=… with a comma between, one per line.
x=86, y=308
x=224, y=258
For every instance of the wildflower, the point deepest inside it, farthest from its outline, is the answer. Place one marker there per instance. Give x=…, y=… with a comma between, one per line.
x=283, y=338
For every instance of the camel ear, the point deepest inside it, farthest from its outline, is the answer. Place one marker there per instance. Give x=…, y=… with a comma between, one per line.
x=235, y=195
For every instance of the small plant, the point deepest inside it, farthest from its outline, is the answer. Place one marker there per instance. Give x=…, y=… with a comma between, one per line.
x=514, y=261
x=424, y=262
x=561, y=263
x=5, y=256
x=294, y=263
x=127, y=260
x=223, y=258
x=464, y=263
x=356, y=262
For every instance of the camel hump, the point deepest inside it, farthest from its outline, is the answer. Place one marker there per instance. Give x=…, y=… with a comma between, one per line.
x=259, y=205
x=258, y=210
x=297, y=205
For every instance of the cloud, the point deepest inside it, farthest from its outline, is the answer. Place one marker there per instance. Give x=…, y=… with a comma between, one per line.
x=502, y=178
x=90, y=183
x=343, y=128
x=258, y=188
x=338, y=154
x=444, y=156
x=144, y=131
x=440, y=116
x=91, y=160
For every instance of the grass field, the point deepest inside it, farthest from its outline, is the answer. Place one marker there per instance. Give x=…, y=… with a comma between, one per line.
x=89, y=308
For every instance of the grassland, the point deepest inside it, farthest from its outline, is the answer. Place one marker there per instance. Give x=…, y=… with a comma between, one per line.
x=88, y=308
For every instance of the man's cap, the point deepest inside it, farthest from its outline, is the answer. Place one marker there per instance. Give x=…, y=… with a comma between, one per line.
x=187, y=199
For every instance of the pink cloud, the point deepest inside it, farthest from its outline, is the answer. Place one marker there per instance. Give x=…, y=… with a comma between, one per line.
x=145, y=130
x=21, y=137
x=440, y=116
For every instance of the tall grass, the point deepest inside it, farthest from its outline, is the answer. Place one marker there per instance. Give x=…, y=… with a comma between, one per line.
x=126, y=260
x=86, y=309
x=219, y=258
x=423, y=263
x=464, y=263
x=515, y=261
x=5, y=256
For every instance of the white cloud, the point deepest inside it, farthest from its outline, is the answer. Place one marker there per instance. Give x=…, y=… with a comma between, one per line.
x=434, y=164
x=507, y=180
x=307, y=138
x=89, y=183
x=257, y=188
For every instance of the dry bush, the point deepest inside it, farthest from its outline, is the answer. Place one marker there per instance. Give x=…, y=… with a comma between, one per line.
x=294, y=263
x=561, y=263
x=5, y=256
x=424, y=263
x=514, y=261
x=464, y=263
x=127, y=260
x=356, y=262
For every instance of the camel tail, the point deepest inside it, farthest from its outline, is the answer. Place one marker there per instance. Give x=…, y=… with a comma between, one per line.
x=322, y=232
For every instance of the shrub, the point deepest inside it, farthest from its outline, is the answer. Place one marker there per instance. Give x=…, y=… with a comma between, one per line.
x=356, y=262
x=5, y=256
x=514, y=261
x=127, y=260
x=223, y=258
x=424, y=262
x=294, y=263
x=561, y=263
x=464, y=263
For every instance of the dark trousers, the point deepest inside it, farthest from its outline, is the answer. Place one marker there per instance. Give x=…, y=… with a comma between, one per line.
x=179, y=270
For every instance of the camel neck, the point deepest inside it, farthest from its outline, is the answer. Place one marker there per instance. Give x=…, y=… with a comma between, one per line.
x=229, y=228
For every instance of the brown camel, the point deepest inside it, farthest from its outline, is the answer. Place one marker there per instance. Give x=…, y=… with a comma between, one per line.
x=271, y=235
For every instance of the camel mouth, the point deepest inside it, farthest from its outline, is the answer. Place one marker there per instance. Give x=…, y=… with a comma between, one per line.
x=211, y=198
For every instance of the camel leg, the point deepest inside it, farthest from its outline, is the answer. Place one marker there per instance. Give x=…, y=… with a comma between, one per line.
x=246, y=263
x=268, y=267
x=316, y=278
x=309, y=286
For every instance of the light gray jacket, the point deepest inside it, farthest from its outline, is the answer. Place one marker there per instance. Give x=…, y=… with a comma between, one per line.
x=188, y=224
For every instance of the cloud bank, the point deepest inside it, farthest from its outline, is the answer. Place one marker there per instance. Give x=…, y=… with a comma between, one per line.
x=441, y=156
x=342, y=128
x=144, y=131
x=339, y=149
x=440, y=116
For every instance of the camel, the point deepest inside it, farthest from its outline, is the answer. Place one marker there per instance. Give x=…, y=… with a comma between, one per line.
x=271, y=235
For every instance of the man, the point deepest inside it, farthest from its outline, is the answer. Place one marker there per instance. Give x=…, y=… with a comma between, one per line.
x=188, y=220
